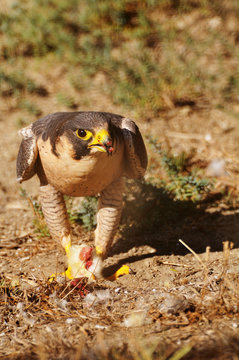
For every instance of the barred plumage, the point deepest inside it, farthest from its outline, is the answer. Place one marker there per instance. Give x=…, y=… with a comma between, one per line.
x=54, y=211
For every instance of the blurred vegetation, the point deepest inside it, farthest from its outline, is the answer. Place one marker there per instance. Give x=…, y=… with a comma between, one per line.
x=150, y=52
x=85, y=213
x=151, y=56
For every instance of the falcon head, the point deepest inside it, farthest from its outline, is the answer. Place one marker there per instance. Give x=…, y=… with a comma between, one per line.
x=87, y=134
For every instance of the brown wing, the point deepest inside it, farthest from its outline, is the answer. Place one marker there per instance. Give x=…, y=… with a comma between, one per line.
x=28, y=151
x=135, y=151
x=27, y=155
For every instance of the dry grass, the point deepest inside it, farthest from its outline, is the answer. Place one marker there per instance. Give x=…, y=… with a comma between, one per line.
x=56, y=321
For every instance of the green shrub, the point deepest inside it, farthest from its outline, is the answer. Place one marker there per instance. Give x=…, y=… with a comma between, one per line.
x=85, y=214
x=182, y=182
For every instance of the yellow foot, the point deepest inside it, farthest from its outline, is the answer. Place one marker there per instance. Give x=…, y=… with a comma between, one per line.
x=66, y=274
x=81, y=263
x=123, y=270
x=84, y=262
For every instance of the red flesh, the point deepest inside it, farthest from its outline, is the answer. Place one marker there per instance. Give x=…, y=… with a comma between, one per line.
x=85, y=253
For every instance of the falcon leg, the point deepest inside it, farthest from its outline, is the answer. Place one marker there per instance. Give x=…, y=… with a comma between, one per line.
x=54, y=211
x=108, y=216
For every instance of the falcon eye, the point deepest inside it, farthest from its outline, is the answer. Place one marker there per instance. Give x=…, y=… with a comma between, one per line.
x=83, y=134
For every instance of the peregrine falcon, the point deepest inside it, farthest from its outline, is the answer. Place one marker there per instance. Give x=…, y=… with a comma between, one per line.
x=82, y=154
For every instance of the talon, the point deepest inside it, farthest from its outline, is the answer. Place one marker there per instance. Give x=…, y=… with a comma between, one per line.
x=52, y=278
x=123, y=270
x=67, y=273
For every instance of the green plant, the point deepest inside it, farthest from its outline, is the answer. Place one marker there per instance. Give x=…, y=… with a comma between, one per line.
x=39, y=223
x=66, y=100
x=85, y=214
x=149, y=63
x=181, y=181
x=48, y=27
x=30, y=107
x=16, y=82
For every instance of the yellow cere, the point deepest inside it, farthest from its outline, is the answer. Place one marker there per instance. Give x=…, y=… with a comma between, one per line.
x=101, y=136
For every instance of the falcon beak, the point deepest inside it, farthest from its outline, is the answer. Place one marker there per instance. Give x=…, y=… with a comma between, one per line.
x=102, y=142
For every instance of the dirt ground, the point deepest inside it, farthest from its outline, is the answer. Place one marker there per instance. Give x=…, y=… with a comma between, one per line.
x=173, y=304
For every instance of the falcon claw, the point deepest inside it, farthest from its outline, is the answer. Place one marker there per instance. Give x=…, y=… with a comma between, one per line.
x=123, y=270
x=52, y=278
x=66, y=275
